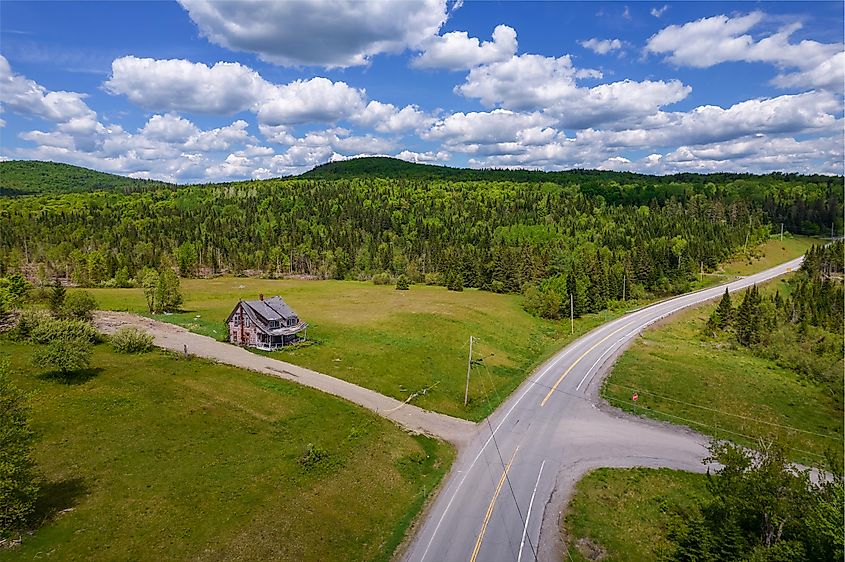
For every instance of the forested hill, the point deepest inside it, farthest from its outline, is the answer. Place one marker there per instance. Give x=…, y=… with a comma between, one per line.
x=29, y=177
x=807, y=204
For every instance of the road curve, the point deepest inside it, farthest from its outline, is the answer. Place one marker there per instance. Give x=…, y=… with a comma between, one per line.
x=516, y=474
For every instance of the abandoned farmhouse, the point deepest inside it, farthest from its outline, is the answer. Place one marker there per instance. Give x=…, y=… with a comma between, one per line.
x=265, y=324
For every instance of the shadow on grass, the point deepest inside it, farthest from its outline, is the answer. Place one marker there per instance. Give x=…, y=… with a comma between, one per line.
x=76, y=377
x=57, y=497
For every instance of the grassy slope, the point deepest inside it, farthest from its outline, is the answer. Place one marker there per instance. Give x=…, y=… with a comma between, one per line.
x=743, y=396
x=394, y=342
x=625, y=511
x=163, y=459
x=31, y=176
x=770, y=254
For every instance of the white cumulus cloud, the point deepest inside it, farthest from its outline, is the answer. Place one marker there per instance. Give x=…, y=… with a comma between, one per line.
x=538, y=83
x=181, y=85
x=328, y=33
x=714, y=40
x=458, y=51
x=601, y=46
x=26, y=97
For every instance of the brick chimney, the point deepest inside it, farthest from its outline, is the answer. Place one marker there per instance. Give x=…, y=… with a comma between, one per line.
x=261, y=296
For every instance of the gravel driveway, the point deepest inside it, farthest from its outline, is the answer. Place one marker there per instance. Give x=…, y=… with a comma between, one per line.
x=175, y=338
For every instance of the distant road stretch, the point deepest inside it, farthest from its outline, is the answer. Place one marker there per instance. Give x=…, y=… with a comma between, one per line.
x=515, y=476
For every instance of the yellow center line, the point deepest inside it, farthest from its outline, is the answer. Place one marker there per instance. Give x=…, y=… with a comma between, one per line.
x=554, y=387
x=490, y=508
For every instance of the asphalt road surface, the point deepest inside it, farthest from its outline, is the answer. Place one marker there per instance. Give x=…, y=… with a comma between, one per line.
x=503, y=498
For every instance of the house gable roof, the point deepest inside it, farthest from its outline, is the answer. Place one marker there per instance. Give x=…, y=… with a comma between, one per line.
x=261, y=312
x=273, y=308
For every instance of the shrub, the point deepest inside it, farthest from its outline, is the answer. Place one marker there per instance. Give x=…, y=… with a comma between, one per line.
x=64, y=355
x=532, y=300
x=433, y=279
x=456, y=283
x=79, y=305
x=51, y=330
x=131, y=340
x=402, y=283
x=497, y=286
x=28, y=321
x=381, y=278
x=314, y=455
x=18, y=484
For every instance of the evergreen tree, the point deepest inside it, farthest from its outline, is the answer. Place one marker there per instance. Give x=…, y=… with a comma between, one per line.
x=18, y=483
x=57, y=298
x=747, y=324
x=457, y=283
x=725, y=311
x=402, y=283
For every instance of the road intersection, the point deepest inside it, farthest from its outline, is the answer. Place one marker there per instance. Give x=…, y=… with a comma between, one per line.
x=504, y=496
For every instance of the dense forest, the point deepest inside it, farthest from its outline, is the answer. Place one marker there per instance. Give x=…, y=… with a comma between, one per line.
x=592, y=234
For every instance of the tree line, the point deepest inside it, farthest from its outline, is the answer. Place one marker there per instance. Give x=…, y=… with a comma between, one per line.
x=497, y=236
x=800, y=324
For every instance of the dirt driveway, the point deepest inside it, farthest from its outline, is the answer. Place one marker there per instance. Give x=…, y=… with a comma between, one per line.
x=175, y=338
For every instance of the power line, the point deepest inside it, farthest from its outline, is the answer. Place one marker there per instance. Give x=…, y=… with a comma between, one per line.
x=502, y=460
x=702, y=424
x=826, y=436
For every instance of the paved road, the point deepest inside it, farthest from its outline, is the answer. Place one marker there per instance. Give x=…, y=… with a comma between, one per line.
x=176, y=338
x=517, y=473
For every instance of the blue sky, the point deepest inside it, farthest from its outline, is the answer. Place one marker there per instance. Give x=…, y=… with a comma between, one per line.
x=206, y=91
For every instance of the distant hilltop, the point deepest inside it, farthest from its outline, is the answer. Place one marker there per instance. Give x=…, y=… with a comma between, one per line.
x=31, y=177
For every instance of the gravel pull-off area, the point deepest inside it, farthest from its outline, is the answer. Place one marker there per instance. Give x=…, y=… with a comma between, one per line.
x=176, y=338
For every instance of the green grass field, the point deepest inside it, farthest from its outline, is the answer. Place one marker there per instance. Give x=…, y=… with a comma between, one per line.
x=723, y=390
x=394, y=342
x=149, y=457
x=770, y=254
x=401, y=342
x=622, y=515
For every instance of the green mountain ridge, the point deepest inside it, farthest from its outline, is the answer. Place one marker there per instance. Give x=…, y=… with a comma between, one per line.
x=805, y=204
x=31, y=177
x=22, y=177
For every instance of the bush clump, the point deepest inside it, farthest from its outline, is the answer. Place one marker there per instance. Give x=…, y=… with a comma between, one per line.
x=381, y=278
x=50, y=330
x=64, y=355
x=79, y=305
x=131, y=340
x=314, y=456
x=28, y=321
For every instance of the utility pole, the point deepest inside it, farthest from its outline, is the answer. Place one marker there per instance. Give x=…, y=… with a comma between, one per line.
x=571, y=314
x=781, y=232
x=701, y=275
x=469, y=366
x=624, y=281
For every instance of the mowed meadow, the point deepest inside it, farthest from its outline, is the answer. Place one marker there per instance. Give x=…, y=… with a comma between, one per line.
x=395, y=342
x=153, y=457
